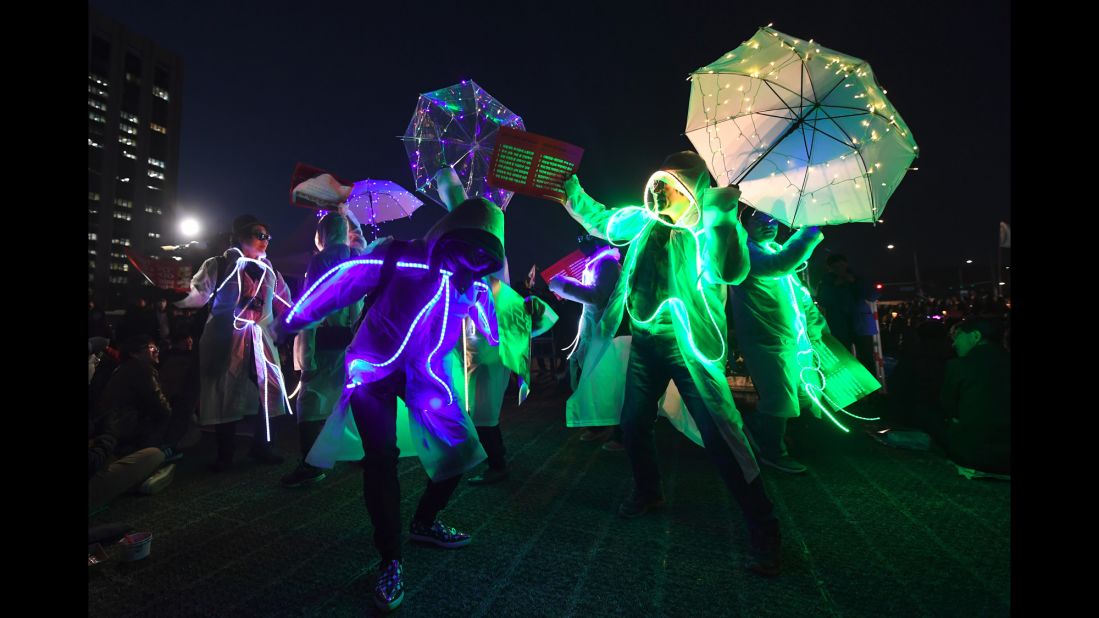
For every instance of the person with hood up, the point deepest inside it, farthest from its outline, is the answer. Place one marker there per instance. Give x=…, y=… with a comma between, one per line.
x=240, y=373
x=488, y=363
x=766, y=309
x=319, y=352
x=419, y=294
x=685, y=247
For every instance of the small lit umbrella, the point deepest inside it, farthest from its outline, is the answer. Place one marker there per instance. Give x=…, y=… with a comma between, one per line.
x=457, y=126
x=377, y=201
x=805, y=131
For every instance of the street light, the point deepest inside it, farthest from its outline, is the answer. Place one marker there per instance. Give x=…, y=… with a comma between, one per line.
x=969, y=261
x=190, y=227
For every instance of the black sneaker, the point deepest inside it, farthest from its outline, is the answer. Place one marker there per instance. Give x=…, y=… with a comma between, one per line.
x=438, y=534
x=489, y=476
x=265, y=456
x=304, y=474
x=786, y=463
x=638, y=504
x=170, y=454
x=389, y=589
x=766, y=552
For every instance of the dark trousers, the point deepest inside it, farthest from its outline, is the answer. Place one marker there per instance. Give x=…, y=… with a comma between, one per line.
x=864, y=351
x=493, y=442
x=227, y=437
x=308, y=431
x=375, y=408
x=655, y=359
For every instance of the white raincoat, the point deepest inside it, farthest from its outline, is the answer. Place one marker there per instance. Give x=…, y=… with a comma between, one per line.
x=238, y=362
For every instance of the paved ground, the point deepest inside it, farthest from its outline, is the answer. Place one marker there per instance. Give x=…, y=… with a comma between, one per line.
x=870, y=531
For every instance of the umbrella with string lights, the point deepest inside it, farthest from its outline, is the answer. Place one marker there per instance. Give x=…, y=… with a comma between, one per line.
x=805, y=131
x=457, y=126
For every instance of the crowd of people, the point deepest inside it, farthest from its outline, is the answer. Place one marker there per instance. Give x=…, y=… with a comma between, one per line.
x=407, y=347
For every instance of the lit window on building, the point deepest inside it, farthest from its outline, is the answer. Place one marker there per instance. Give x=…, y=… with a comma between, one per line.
x=118, y=280
x=125, y=216
x=154, y=235
x=125, y=128
x=152, y=187
x=91, y=251
x=129, y=155
x=122, y=267
x=92, y=142
x=91, y=264
x=123, y=203
x=156, y=174
x=125, y=242
x=91, y=236
x=97, y=105
x=160, y=93
x=99, y=81
x=97, y=117
x=118, y=254
x=159, y=129
x=129, y=141
x=91, y=277
x=128, y=117
x=134, y=79
x=126, y=179
x=97, y=91
x=153, y=210
x=156, y=162
x=93, y=197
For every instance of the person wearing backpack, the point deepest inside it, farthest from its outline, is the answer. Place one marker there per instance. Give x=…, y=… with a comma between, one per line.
x=239, y=366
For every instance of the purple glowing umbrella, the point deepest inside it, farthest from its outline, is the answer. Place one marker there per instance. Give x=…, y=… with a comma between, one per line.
x=378, y=201
x=456, y=126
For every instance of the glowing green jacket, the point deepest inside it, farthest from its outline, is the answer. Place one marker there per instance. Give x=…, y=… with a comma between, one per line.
x=705, y=256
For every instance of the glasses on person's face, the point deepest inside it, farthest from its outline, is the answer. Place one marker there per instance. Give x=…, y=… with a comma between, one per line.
x=261, y=235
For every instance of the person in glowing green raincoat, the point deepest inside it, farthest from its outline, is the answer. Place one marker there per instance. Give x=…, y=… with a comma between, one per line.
x=771, y=335
x=685, y=247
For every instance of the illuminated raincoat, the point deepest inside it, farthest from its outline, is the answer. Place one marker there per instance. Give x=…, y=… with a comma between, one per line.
x=766, y=307
x=240, y=373
x=324, y=367
x=414, y=325
x=706, y=252
x=489, y=366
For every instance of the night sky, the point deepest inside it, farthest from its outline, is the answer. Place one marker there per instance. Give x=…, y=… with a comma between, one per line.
x=268, y=84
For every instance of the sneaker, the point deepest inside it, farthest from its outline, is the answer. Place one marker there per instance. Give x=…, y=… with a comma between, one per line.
x=638, y=504
x=438, y=534
x=170, y=454
x=158, y=481
x=613, y=446
x=265, y=456
x=489, y=476
x=593, y=434
x=304, y=474
x=389, y=589
x=766, y=552
x=785, y=463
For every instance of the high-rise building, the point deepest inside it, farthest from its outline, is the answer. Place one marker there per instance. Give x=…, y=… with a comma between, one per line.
x=134, y=100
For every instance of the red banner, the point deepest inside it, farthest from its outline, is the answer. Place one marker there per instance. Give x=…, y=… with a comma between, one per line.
x=532, y=164
x=165, y=274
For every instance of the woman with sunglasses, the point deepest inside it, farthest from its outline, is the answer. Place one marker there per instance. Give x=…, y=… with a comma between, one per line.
x=239, y=366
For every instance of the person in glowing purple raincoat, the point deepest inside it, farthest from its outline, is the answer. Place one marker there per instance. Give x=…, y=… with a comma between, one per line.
x=417, y=295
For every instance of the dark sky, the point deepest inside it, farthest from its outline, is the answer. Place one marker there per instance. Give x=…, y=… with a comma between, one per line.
x=267, y=84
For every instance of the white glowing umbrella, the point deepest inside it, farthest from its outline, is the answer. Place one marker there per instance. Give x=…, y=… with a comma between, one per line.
x=805, y=131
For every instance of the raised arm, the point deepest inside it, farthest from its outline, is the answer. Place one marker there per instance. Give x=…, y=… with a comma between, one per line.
x=793, y=254
x=341, y=286
x=723, y=239
x=616, y=225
